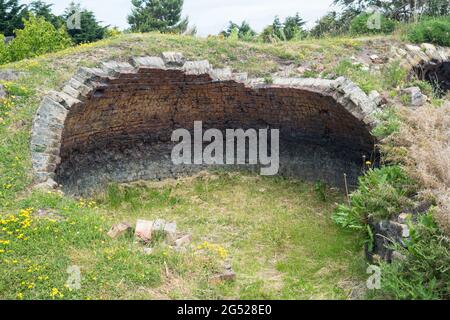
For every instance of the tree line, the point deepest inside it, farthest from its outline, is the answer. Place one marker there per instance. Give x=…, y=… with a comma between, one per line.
x=146, y=16
x=37, y=30
x=166, y=16
x=13, y=16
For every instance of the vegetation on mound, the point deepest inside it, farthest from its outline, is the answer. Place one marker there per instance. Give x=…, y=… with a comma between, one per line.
x=431, y=30
x=425, y=272
x=416, y=169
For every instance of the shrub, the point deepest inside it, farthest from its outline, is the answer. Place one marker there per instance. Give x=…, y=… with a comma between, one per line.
x=432, y=30
x=394, y=75
x=359, y=25
x=37, y=37
x=112, y=32
x=381, y=193
x=424, y=273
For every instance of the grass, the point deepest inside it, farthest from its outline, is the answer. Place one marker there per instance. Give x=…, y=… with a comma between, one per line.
x=276, y=233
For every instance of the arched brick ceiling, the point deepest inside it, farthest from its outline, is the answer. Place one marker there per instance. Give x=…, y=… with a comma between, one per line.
x=119, y=104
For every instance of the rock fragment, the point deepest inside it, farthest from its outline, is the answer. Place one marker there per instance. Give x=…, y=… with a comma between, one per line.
x=183, y=241
x=228, y=275
x=118, y=230
x=415, y=96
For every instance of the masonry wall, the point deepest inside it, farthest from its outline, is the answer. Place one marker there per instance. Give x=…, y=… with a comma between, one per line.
x=122, y=131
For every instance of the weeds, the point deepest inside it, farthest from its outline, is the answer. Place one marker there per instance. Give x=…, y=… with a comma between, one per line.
x=424, y=272
x=381, y=193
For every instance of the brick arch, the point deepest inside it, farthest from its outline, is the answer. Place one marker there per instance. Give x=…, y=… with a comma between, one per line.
x=426, y=62
x=100, y=113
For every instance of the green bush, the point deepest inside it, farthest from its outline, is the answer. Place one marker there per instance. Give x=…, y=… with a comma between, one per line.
x=37, y=37
x=432, y=30
x=424, y=273
x=3, y=51
x=359, y=25
x=381, y=193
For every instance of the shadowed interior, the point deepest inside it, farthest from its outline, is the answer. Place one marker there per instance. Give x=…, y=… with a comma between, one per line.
x=122, y=132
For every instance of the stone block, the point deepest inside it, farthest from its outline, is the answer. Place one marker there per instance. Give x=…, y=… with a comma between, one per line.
x=115, y=68
x=143, y=230
x=221, y=74
x=227, y=276
x=197, y=67
x=2, y=91
x=148, y=62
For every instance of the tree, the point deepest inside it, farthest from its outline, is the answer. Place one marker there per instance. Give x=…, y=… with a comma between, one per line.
x=333, y=24
x=293, y=27
x=11, y=15
x=36, y=38
x=90, y=29
x=243, y=31
x=359, y=25
x=277, y=28
x=327, y=25
x=401, y=10
x=41, y=9
x=157, y=15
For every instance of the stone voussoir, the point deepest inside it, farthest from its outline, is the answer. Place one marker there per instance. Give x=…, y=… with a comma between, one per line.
x=89, y=76
x=173, y=59
x=64, y=99
x=147, y=62
x=116, y=68
x=197, y=67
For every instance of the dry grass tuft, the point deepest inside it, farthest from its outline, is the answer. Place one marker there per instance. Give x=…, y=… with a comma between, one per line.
x=425, y=136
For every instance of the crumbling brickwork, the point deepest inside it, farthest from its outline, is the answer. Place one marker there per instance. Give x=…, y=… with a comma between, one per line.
x=114, y=123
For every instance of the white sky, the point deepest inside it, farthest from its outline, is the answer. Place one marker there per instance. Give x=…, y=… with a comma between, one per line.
x=210, y=16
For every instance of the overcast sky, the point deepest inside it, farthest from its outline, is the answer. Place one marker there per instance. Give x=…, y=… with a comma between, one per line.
x=210, y=16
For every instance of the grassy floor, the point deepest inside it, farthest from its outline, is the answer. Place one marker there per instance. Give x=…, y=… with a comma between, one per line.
x=276, y=233
x=281, y=241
